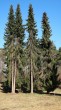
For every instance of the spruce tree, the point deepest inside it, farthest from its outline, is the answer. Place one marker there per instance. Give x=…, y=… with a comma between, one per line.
x=19, y=48
x=47, y=54
x=46, y=32
x=31, y=44
x=9, y=47
x=14, y=46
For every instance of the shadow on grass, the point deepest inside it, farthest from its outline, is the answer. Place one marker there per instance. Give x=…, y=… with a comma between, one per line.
x=52, y=93
x=8, y=90
x=55, y=94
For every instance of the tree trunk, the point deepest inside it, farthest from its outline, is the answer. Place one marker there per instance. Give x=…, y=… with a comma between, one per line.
x=31, y=73
x=12, y=77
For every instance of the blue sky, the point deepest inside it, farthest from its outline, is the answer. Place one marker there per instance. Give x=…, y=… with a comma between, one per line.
x=51, y=7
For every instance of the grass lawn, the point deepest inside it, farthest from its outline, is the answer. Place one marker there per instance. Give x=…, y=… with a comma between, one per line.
x=34, y=101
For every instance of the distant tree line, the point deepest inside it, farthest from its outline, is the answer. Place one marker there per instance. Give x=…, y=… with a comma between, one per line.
x=31, y=65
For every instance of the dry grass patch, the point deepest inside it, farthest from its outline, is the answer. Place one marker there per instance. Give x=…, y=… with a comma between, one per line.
x=29, y=102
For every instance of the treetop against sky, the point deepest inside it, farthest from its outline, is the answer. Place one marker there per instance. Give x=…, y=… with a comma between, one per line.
x=51, y=7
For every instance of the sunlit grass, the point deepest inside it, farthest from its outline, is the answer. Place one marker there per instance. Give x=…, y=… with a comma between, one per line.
x=34, y=101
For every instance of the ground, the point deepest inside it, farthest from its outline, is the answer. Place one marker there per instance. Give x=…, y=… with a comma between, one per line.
x=28, y=101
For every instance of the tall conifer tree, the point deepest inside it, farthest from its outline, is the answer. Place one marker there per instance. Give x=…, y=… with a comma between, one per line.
x=19, y=36
x=47, y=53
x=9, y=46
x=31, y=47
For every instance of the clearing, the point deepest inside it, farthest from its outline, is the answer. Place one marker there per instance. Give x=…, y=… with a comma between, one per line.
x=27, y=101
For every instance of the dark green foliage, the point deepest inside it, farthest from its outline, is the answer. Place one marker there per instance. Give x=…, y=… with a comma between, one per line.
x=14, y=36
x=49, y=55
x=9, y=37
x=19, y=29
x=51, y=82
x=54, y=78
x=25, y=87
x=59, y=55
x=46, y=32
x=37, y=62
x=19, y=49
x=31, y=44
x=6, y=87
x=31, y=25
x=58, y=65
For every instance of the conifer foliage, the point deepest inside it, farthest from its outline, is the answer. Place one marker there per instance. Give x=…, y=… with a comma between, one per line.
x=31, y=47
x=46, y=32
x=14, y=36
x=33, y=65
x=9, y=50
x=19, y=37
x=47, y=54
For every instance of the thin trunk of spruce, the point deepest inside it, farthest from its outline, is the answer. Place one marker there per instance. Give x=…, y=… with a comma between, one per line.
x=12, y=70
x=9, y=75
x=31, y=74
x=42, y=65
x=14, y=74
